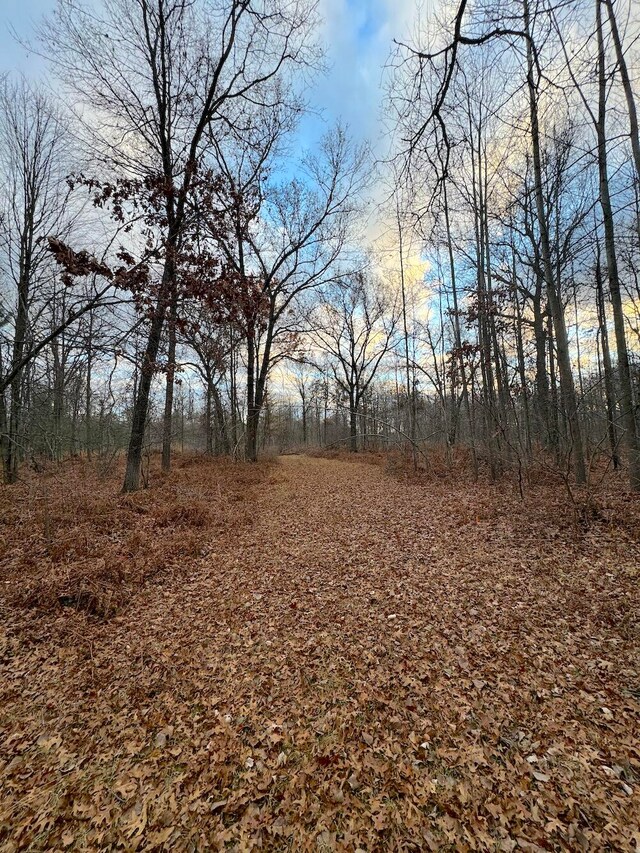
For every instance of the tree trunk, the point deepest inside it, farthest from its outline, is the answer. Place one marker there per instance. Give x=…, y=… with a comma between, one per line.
x=167, y=423
x=521, y=362
x=233, y=394
x=484, y=339
x=13, y=451
x=567, y=387
x=626, y=85
x=554, y=414
x=353, y=425
x=626, y=390
x=542, y=378
x=147, y=370
x=606, y=362
x=253, y=414
x=266, y=424
x=257, y=385
x=87, y=389
x=304, y=418
x=222, y=443
x=58, y=397
x=3, y=422
x=208, y=432
x=405, y=329
x=457, y=333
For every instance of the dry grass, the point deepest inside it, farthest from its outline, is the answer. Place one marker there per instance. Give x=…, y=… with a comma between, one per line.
x=604, y=503
x=68, y=538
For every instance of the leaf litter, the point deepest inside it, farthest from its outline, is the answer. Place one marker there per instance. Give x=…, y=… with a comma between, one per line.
x=314, y=655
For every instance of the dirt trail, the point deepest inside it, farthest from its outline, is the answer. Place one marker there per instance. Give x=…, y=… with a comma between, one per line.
x=369, y=663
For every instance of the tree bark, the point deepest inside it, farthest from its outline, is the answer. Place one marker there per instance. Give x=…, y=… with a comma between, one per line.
x=256, y=388
x=222, y=442
x=610, y=400
x=624, y=371
x=634, y=133
x=353, y=424
x=457, y=332
x=167, y=423
x=554, y=409
x=87, y=389
x=567, y=387
x=147, y=370
x=405, y=330
x=12, y=451
x=251, y=451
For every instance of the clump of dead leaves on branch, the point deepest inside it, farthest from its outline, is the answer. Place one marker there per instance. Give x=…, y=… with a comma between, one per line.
x=316, y=656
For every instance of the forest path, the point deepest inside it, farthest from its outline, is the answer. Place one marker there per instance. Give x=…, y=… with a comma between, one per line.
x=361, y=662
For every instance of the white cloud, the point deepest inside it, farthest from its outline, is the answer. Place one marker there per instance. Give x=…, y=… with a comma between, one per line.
x=358, y=36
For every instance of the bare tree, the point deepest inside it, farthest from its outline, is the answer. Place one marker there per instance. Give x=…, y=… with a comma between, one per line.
x=355, y=325
x=158, y=74
x=33, y=147
x=628, y=413
x=510, y=31
x=283, y=242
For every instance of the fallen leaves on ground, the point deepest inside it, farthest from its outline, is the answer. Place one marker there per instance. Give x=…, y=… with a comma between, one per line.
x=318, y=657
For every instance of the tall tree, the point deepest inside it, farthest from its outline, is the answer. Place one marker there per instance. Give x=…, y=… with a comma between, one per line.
x=355, y=325
x=33, y=148
x=160, y=74
x=631, y=438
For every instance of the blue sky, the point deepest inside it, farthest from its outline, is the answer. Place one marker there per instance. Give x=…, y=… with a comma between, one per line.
x=21, y=15
x=357, y=33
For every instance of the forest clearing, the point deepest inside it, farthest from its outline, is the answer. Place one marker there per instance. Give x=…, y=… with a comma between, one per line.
x=316, y=654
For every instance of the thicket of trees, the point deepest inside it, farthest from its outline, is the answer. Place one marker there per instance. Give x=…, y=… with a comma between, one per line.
x=517, y=129
x=174, y=273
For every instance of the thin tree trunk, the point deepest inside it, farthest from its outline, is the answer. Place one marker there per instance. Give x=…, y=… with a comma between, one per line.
x=253, y=415
x=208, y=432
x=521, y=363
x=233, y=392
x=147, y=370
x=606, y=362
x=457, y=332
x=634, y=133
x=258, y=386
x=58, y=397
x=483, y=335
x=12, y=450
x=567, y=387
x=304, y=418
x=554, y=414
x=87, y=388
x=578, y=353
x=167, y=423
x=405, y=329
x=353, y=424
x=222, y=444
x=626, y=390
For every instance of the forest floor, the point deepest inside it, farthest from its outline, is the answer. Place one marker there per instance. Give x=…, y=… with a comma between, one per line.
x=316, y=655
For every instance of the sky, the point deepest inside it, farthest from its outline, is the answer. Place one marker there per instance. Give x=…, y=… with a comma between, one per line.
x=20, y=15
x=358, y=36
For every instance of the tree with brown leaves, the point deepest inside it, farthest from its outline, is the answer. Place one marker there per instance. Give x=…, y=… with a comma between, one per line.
x=158, y=75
